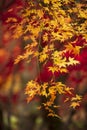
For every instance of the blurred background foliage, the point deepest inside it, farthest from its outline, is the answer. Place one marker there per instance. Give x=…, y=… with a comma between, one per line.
x=15, y=113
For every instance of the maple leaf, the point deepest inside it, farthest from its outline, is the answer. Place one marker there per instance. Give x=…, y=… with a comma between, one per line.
x=75, y=101
x=53, y=69
x=60, y=87
x=68, y=90
x=43, y=91
x=75, y=50
x=45, y=37
x=76, y=98
x=72, y=61
x=52, y=90
x=58, y=59
x=75, y=104
x=32, y=89
x=43, y=57
x=44, y=54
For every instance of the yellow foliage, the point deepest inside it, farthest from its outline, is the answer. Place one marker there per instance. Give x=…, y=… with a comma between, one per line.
x=75, y=50
x=75, y=101
x=32, y=89
x=75, y=104
x=77, y=98
x=53, y=69
x=53, y=22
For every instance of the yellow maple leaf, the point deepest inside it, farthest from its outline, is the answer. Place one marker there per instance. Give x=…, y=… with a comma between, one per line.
x=68, y=90
x=43, y=91
x=76, y=98
x=75, y=104
x=45, y=37
x=53, y=69
x=43, y=57
x=32, y=89
x=72, y=61
x=60, y=87
x=75, y=50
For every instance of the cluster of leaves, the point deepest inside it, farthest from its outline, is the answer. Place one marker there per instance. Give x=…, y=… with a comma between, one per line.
x=50, y=28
